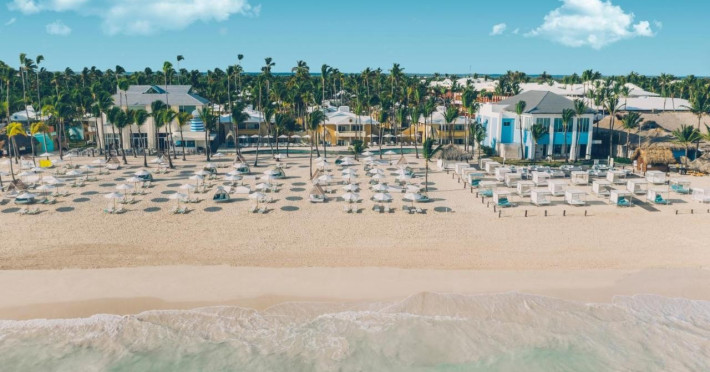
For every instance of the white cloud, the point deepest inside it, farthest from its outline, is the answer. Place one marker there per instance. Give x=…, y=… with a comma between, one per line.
x=516, y=31
x=10, y=21
x=58, y=28
x=142, y=17
x=593, y=23
x=498, y=29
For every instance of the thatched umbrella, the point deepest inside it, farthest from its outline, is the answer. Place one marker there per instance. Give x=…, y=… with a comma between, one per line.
x=656, y=156
x=453, y=153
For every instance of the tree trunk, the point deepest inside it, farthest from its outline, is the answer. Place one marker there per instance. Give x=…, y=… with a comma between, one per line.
x=143, y=147
x=182, y=141
x=120, y=143
x=207, y=144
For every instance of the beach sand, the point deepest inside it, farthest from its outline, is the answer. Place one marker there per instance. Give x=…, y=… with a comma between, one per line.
x=458, y=234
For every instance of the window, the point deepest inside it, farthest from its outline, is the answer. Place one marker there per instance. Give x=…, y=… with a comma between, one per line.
x=583, y=125
x=557, y=150
x=459, y=127
x=543, y=121
x=558, y=125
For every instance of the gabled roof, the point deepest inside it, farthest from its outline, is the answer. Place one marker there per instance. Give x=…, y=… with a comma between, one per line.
x=143, y=95
x=538, y=102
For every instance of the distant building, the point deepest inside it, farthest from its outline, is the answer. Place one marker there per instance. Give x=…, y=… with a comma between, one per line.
x=503, y=128
x=342, y=127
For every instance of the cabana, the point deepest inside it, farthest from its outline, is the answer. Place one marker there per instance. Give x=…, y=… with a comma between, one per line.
x=491, y=167
x=621, y=198
x=512, y=179
x=680, y=185
x=144, y=175
x=482, y=163
x=540, y=197
x=637, y=186
x=525, y=187
x=701, y=195
x=210, y=168
x=656, y=177
x=221, y=195
x=556, y=187
x=486, y=188
x=657, y=156
x=501, y=172
x=500, y=197
x=25, y=198
x=658, y=196
x=540, y=178
x=474, y=179
x=579, y=178
x=575, y=198
x=617, y=177
x=276, y=172
x=241, y=168
x=601, y=187
x=317, y=195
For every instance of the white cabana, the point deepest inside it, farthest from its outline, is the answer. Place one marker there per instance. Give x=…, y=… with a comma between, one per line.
x=616, y=177
x=621, y=198
x=491, y=167
x=701, y=195
x=637, y=186
x=540, y=178
x=579, y=178
x=540, y=196
x=658, y=195
x=525, y=187
x=474, y=179
x=601, y=187
x=502, y=198
x=512, y=179
x=501, y=172
x=656, y=177
x=575, y=197
x=680, y=185
x=486, y=188
x=482, y=163
x=557, y=187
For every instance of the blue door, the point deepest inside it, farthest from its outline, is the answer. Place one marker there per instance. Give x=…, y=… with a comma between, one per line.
x=506, y=135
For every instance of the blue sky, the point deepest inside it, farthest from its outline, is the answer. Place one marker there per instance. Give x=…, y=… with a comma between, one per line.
x=447, y=36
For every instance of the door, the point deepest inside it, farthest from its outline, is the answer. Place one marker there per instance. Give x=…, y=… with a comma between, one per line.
x=506, y=135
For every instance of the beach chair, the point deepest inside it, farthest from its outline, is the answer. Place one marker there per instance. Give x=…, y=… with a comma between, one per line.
x=659, y=200
x=680, y=189
x=120, y=210
x=253, y=209
x=487, y=193
x=504, y=203
x=263, y=210
x=109, y=210
x=388, y=209
x=33, y=211
x=23, y=211
x=623, y=202
x=421, y=211
x=376, y=208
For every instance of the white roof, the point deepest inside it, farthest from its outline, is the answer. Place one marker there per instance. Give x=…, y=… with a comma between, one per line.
x=342, y=115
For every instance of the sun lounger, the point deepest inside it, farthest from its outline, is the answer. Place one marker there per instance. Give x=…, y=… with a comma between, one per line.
x=109, y=210
x=680, y=189
x=659, y=200
x=263, y=210
x=421, y=211
x=504, y=203
x=347, y=209
x=388, y=209
x=119, y=210
x=253, y=209
x=623, y=202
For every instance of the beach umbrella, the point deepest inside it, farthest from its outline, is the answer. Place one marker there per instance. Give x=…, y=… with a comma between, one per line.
x=218, y=155
x=351, y=187
x=326, y=178
x=99, y=161
x=278, y=156
x=376, y=171
x=307, y=136
x=239, y=165
x=124, y=187
x=141, y=173
x=381, y=187
x=382, y=197
x=414, y=197
x=233, y=173
x=178, y=196
x=157, y=160
x=347, y=161
x=367, y=153
x=272, y=172
x=404, y=178
x=296, y=136
x=37, y=170
x=378, y=177
x=413, y=188
x=283, y=136
x=318, y=159
x=197, y=178
x=135, y=181
x=263, y=186
x=45, y=188
x=388, y=135
x=231, y=178
x=350, y=197
x=390, y=153
x=210, y=165
x=114, y=196
x=349, y=171
x=202, y=173
x=257, y=196
x=187, y=187
x=46, y=155
x=26, y=174
x=243, y=136
x=74, y=173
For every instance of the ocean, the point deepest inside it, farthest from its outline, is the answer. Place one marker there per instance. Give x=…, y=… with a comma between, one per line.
x=425, y=332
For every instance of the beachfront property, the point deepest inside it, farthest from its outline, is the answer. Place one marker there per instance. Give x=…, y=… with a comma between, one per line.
x=342, y=126
x=503, y=133
x=179, y=97
x=435, y=126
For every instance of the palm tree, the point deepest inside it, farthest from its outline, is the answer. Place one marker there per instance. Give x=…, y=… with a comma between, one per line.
x=402, y=115
x=156, y=112
x=182, y=119
x=686, y=135
x=239, y=117
x=314, y=119
x=139, y=118
x=699, y=106
x=580, y=108
x=468, y=101
x=40, y=127
x=120, y=121
x=13, y=130
x=428, y=151
x=179, y=58
x=519, y=110
x=567, y=117
x=357, y=147
x=611, y=103
x=537, y=131
x=478, y=134
x=415, y=114
x=630, y=121
x=205, y=114
x=267, y=115
x=112, y=116
x=450, y=116
x=168, y=116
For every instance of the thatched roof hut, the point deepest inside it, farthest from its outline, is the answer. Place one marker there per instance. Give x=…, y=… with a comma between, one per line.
x=453, y=153
x=654, y=157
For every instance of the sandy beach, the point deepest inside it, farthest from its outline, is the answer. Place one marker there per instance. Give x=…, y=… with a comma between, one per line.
x=149, y=258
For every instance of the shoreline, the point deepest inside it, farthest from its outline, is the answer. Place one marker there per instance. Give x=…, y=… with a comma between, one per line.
x=73, y=293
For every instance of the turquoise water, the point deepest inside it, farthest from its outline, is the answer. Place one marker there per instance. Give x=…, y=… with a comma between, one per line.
x=426, y=332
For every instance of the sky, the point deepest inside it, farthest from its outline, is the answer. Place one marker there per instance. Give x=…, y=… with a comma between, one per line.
x=445, y=36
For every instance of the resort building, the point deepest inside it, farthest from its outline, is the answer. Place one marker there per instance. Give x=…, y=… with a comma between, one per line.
x=342, y=127
x=503, y=132
x=179, y=97
x=247, y=133
x=435, y=126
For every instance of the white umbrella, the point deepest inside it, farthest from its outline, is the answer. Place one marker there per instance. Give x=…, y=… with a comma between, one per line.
x=349, y=171
x=188, y=187
x=380, y=187
x=376, y=171
x=306, y=136
x=404, y=177
x=351, y=187
x=243, y=136
x=197, y=178
x=46, y=155
x=347, y=162
x=74, y=173
x=26, y=174
x=26, y=195
x=232, y=178
x=350, y=197
x=218, y=155
x=37, y=170
x=413, y=188
x=382, y=197
x=268, y=178
x=124, y=187
x=178, y=196
x=202, y=173
x=271, y=172
x=45, y=188
x=368, y=159
x=367, y=153
x=296, y=136
x=114, y=196
x=255, y=136
x=141, y=173
x=263, y=186
x=99, y=161
x=134, y=180
x=378, y=177
x=239, y=165
x=283, y=136
x=414, y=197
x=257, y=196
x=327, y=178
